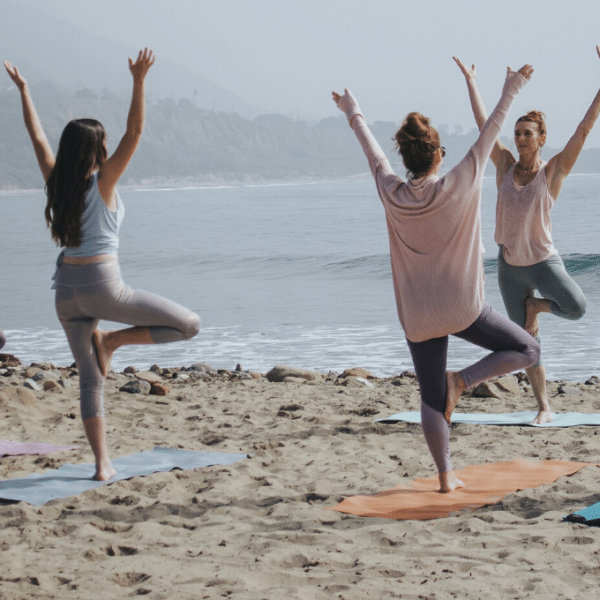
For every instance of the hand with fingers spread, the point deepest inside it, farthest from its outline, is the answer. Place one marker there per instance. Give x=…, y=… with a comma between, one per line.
x=347, y=104
x=344, y=101
x=468, y=73
x=14, y=74
x=525, y=70
x=145, y=59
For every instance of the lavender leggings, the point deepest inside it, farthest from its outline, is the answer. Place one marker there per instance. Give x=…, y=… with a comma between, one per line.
x=87, y=293
x=512, y=349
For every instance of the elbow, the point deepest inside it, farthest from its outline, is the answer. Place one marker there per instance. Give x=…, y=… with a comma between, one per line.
x=584, y=130
x=134, y=133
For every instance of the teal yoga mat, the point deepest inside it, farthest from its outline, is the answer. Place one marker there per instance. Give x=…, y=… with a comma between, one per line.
x=69, y=480
x=587, y=516
x=570, y=419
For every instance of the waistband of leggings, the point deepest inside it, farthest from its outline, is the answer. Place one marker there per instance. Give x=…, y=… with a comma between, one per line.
x=89, y=274
x=552, y=259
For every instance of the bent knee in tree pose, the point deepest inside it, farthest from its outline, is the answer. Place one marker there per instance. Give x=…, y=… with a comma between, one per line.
x=84, y=212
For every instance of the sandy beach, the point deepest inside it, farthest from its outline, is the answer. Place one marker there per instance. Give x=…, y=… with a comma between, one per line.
x=257, y=529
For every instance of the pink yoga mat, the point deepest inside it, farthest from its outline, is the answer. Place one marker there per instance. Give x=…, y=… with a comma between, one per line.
x=10, y=448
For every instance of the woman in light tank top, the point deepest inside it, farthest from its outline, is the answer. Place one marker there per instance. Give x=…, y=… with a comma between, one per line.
x=435, y=254
x=84, y=212
x=528, y=262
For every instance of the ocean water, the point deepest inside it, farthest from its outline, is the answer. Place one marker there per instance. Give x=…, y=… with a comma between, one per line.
x=292, y=274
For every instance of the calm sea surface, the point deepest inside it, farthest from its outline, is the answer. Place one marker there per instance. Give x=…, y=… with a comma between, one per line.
x=280, y=274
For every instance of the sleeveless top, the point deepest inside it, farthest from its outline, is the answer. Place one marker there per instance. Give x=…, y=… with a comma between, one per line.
x=523, y=225
x=99, y=224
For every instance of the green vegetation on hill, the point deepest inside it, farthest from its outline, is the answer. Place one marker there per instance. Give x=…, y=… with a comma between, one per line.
x=186, y=145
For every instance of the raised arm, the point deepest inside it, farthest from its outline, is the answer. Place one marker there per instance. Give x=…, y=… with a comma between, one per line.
x=470, y=170
x=111, y=171
x=41, y=147
x=560, y=165
x=501, y=156
x=378, y=162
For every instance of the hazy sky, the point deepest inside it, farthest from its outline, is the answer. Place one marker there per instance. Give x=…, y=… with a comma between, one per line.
x=395, y=55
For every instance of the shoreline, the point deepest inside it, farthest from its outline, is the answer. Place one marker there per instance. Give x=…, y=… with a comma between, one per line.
x=257, y=528
x=166, y=184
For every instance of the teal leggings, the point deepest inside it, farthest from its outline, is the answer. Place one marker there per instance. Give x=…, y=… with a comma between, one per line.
x=550, y=279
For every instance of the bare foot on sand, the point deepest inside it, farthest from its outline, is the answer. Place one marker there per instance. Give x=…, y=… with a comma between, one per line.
x=544, y=416
x=533, y=307
x=103, y=354
x=104, y=473
x=456, y=385
x=449, y=482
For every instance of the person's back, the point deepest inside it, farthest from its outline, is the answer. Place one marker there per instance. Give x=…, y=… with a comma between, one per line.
x=99, y=224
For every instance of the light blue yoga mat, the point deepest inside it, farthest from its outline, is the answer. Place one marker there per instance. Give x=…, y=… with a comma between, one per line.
x=587, y=516
x=69, y=480
x=525, y=417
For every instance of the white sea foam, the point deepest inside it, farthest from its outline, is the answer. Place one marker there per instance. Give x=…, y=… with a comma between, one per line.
x=295, y=274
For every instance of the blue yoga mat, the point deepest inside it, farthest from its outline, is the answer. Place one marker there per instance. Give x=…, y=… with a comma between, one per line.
x=587, y=516
x=69, y=480
x=525, y=417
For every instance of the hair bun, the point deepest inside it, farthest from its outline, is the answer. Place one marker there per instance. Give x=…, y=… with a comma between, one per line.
x=417, y=142
x=535, y=116
x=416, y=127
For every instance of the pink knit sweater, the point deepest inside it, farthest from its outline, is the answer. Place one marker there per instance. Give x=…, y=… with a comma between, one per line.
x=434, y=228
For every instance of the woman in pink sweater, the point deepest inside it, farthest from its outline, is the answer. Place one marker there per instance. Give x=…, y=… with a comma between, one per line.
x=437, y=268
x=528, y=260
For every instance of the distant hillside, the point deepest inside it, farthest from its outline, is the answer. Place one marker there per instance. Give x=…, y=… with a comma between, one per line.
x=186, y=145
x=76, y=61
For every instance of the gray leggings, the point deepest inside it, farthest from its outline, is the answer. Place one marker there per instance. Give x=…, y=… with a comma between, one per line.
x=550, y=279
x=87, y=293
x=512, y=348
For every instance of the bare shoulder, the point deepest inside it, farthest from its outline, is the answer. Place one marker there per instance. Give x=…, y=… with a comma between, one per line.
x=107, y=189
x=503, y=163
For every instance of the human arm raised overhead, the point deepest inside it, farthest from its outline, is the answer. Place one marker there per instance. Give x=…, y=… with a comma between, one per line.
x=560, y=165
x=378, y=161
x=111, y=170
x=470, y=169
x=41, y=146
x=501, y=156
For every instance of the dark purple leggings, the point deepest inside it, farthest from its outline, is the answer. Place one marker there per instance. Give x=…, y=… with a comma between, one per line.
x=512, y=349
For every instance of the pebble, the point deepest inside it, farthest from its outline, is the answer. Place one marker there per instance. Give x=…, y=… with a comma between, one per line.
x=281, y=373
x=32, y=385
x=51, y=386
x=136, y=386
x=159, y=389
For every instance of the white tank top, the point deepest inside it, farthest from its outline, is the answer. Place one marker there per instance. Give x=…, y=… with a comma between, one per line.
x=99, y=224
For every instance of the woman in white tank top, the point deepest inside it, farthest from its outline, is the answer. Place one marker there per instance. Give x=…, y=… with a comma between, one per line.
x=528, y=261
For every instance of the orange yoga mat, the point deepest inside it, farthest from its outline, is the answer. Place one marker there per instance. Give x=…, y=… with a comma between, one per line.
x=485, y=484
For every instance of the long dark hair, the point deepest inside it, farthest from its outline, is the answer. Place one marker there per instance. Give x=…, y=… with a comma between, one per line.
x=80, y=151
x=417, y=142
